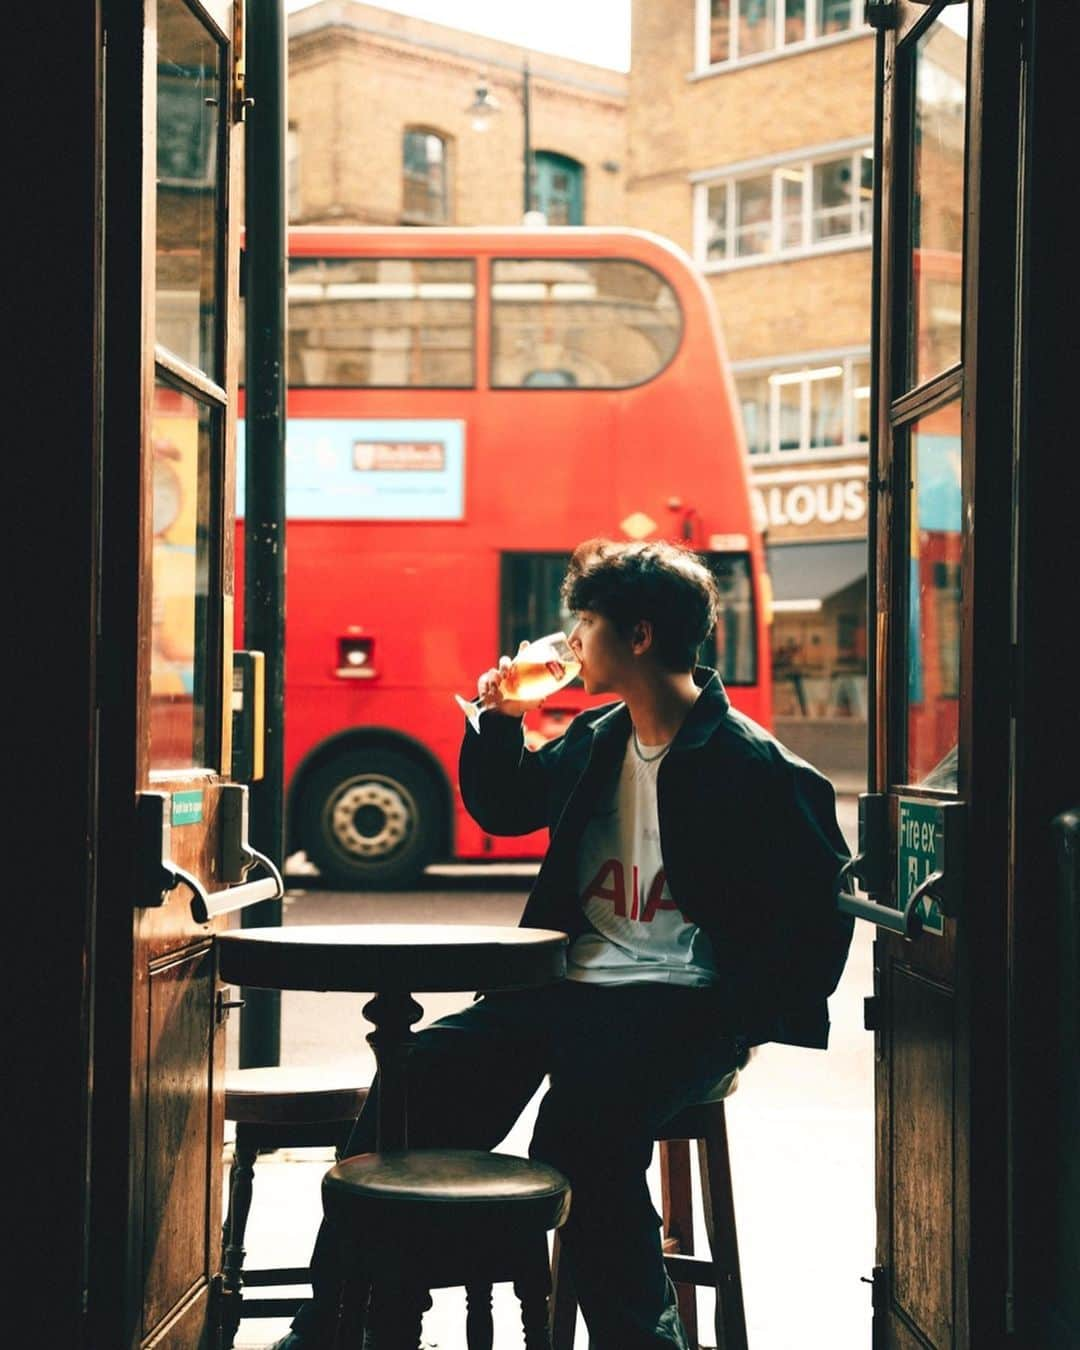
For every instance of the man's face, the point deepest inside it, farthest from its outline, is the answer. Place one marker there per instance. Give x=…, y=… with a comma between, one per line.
x=605, y=657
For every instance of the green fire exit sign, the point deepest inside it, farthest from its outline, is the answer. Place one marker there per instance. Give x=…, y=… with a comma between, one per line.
x=918, y=849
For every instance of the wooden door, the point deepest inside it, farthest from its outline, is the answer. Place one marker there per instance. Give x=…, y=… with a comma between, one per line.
x=967, y=843
x=171, y=820
x=185, y=660
x=914, y=824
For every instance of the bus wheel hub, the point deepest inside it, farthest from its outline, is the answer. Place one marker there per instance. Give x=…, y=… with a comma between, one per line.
x=371, y=818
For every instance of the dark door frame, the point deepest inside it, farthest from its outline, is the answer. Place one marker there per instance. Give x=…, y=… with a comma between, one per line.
x=52, y=464
x=1017, y=1207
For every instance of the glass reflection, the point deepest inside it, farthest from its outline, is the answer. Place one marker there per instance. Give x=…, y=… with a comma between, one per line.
x=790, y=415
x=818, y=633
x=860, y=397
x=935, y=594
x=180, y=581
x=791, y=205
x=189, y=95
x=937, y=215
x=826, y=407
x=794, y=21
x=719, y=31
x=754, y=400
x=369, y=322
x=731, y=647
x=834, y=195
x=757, y=26
x=598, y=323
x=753, y=216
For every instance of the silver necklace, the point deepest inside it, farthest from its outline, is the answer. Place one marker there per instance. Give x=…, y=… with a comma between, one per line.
x=648, y=759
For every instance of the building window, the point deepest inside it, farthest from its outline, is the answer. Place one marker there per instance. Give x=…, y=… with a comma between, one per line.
x=425, y=178
x=292, y=172
x=812, y=406
x=557, y=182
x=786, y=208
x=734, y=31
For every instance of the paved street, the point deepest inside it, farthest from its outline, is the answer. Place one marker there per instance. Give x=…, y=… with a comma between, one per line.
x=801, y=1135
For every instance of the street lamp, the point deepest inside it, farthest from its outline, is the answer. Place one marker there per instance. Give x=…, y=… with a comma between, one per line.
x=485, y=106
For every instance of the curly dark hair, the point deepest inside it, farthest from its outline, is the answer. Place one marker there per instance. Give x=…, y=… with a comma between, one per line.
x=670, y=586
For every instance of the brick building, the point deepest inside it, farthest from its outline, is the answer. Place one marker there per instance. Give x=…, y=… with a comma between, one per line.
x=381, y=132
x=750, y=130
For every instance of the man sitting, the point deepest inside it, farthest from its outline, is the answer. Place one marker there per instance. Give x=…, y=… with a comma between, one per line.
x=693, y=862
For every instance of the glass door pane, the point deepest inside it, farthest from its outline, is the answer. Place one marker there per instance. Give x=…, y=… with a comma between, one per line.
x=935, y=594
x=189, y=128
x=184, y=692
x=937, y=195
x=188, y=420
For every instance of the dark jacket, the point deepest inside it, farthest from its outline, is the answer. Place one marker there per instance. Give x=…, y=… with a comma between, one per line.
x=748, y=833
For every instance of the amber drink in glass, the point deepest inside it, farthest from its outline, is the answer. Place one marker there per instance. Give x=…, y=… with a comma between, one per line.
x=539, y=669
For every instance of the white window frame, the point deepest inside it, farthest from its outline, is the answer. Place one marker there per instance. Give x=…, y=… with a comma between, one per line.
x=703, y=67
x=805, y=159
x=788, y=368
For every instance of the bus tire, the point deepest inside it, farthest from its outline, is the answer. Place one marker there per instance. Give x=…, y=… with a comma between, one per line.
x=369, y=820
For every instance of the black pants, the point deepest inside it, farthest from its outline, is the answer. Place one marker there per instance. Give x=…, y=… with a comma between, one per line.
x=621, y=1060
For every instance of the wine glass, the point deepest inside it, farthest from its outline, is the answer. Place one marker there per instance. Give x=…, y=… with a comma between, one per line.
x=539, y=669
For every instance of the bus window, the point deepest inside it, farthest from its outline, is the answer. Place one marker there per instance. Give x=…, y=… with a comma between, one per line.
x=594, y=323
x=731, y=647
x=381, y=322
x=531, y=605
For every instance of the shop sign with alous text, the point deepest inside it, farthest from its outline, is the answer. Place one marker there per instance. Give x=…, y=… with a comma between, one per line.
x=810, y=503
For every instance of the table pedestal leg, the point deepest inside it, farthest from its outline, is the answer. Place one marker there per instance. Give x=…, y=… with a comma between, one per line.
x=392, y=1039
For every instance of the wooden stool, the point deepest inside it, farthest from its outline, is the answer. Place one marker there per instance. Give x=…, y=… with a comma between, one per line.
x=426, y=1219
x=278, y=1107
x=705, y=1123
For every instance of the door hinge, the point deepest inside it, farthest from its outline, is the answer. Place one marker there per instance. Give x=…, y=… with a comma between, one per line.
x=879, y=1287
x=880, y=14
x=217, y=1307
x=872, y=1013
x=223, y=1003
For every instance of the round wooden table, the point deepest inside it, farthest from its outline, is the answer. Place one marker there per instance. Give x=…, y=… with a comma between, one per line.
x=393, y=961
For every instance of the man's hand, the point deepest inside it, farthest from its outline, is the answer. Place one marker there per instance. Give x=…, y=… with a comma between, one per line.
x=490, y=694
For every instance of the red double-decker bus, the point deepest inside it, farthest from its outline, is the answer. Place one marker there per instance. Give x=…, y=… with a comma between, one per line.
x=464, y=407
